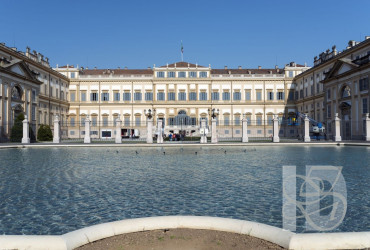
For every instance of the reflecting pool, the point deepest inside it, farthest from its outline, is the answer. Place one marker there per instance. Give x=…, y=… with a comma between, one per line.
x=57, y=190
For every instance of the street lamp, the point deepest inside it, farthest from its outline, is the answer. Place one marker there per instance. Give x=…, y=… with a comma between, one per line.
x=215, y=112
x=149, y=114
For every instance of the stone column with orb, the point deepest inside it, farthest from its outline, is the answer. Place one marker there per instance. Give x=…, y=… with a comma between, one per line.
x=214, y=138
x=149, y=132
x=118, y=130
x=275, y=122
x=245, y=130
x=367, y=122
x=337, y=136
x=26, y=130
x=306, y=137
x=160, y=134
x=203, y=132
x=56, y=136
x=87, y=138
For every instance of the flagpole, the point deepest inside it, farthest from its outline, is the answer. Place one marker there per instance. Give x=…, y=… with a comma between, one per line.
x=182, y=52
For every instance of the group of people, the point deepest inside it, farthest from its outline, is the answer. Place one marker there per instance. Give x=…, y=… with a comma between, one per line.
x=176, y=137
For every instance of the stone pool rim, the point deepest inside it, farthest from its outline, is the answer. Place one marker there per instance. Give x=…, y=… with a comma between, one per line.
x=284, y=238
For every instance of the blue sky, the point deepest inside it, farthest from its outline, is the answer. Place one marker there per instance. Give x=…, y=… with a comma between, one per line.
x=138, y=34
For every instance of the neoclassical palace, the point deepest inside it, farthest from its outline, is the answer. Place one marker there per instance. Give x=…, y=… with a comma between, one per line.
x=181, y=93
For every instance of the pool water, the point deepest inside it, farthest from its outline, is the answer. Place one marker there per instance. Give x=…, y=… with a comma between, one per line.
x=58, y=190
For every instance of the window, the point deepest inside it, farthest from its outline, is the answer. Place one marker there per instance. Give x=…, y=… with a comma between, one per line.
x=203, y=96
x=226, y=120
x=328, y=94
x=365, y=106
x=171, y=74
x=291, y=74
x=329, y=111
x=33, y=95
x=182, y=74
x=301, y=94
x=137, y=96
x=33, y=112
x=94, y=97
x=312, y=90
x=94, y=121
x=258, y=95
x=215, y=96
x=171, y=96
x=160, y=74
x=83, y=96
x=203, y=74
x=116, y=96
x=269, y=119
x=364, y=84
x=137, y=121
x=127, y=96
x=226, y=96
x=72, y=121
x=182, y=96
x=192, y=96
x=259, y=120
x=280, y=95
x=148, y=96
x=193, y=121
x=105, y=96
x=306, y=92
x=237, y=96
x=73, y=75
x=193, y=74
x=247, y=95
x=126, y=121
x=83, y=121
x=160, y=96
x=105, y=121
x=171, y=121
x=73, y=96
x=71, y=132
x=270, y=95
x=237, y=120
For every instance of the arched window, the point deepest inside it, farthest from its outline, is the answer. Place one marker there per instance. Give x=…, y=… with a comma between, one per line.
x=16, y=93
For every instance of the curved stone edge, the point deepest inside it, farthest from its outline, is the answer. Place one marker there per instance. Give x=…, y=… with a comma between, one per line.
x=351, y=240
x=275, y=235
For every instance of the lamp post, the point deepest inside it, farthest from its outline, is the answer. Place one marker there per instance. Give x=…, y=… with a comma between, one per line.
x=149, y=134
x=214, y=113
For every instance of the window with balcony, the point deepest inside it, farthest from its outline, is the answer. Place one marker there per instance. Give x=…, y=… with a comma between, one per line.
x=148, y=96
x=137, y=96
x=182, y=96
x=105, y=96
x=126, y=121
x=247, y=95
x=203, y=96
x=226, y=120
x=237, y=120
x=171, y=96
x=237, y=96
x=215, y=96
x=127, y=96
x=160, y=96
x=192, y=96
x=226, y=96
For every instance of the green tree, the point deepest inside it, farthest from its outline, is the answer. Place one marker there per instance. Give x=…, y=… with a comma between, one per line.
x=44, y=133
x=17, y=130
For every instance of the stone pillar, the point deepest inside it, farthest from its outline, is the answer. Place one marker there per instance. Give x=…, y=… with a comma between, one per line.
x=149, y=132
x=306, y=137
x=245, y=130
x=56, y=137
x=26, y=131
x=160, y=134
x=337, y=136
x=367, y=119
x=203, y=134
x=118, y=130
x=87, y=138
x=214, y=138
x=275, y=122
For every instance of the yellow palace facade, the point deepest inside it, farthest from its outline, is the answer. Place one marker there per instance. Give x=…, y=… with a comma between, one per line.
x=181, y=94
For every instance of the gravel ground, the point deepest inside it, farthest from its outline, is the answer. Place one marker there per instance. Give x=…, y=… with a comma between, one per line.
x=176, y=239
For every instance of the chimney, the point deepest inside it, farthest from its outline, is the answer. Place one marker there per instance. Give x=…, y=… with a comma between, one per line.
x=125, y=67
x=367, y=37
x=149, y=67
x=14, y=48
x=119, y=67
x=225, y=67
x=239, y=67
x=94, y=67
x=276, y=67
x=259, y=67
x=88, y=67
